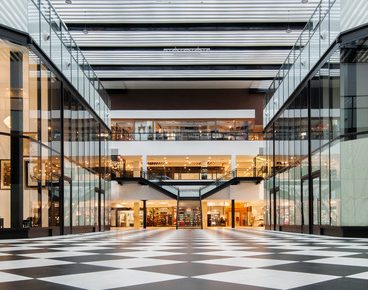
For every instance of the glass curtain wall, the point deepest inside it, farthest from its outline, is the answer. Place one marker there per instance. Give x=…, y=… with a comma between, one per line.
x=39, y=186
x=317, y=148
x=303, y=148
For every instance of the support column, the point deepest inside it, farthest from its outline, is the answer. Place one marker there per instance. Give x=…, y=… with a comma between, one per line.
x=233, y=162
x=144, y=163
x=204, y=214
x=136, y=169
x=204, y=170
x=144, y=214
x=233, y=213
x=16, y=142
x=137, y=222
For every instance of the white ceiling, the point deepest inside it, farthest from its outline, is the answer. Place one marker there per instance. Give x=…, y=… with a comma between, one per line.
x=117, y=39
x=135, y=85
x=184, y=11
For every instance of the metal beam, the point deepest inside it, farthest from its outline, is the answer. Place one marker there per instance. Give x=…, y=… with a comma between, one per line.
x=185, y=26
x=120, y=67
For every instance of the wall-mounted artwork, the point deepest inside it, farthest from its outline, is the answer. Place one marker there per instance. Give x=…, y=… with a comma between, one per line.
x=33, y=173
x=5, y=170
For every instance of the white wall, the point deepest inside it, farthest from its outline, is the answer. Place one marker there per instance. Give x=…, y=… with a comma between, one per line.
x=242, y=191
x=353, y=13
x=133, y=191
x=354, y=183
x=187, y=147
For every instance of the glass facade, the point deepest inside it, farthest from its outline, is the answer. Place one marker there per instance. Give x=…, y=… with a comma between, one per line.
x=54, y=151
x=316, y=149
x=185, y=130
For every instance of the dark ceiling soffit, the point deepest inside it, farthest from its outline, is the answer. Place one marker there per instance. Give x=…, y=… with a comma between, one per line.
x=186, y=26
x=119, y=67
x=250, y=91
x=199, y=79
x=161, y=48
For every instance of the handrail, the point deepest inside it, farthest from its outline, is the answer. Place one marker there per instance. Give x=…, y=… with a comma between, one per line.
x=188, y=136
x=230, y=174
x=311, y=44
x=46, y=28
x=170, y=188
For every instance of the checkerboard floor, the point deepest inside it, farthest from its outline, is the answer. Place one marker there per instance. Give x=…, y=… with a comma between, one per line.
x=166, y=259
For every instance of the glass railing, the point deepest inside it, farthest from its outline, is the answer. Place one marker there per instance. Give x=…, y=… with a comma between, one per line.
x=154, y=179
x=226, y=177
x=188, y=136
x=189, y=193
x=39, y=19
x=258, y=170
x=319, y=33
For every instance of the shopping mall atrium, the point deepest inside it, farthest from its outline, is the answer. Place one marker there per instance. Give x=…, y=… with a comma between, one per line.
x=184, y=144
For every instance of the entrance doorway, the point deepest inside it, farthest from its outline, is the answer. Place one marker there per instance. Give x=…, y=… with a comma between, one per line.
x=189, y=214
x=124, y=218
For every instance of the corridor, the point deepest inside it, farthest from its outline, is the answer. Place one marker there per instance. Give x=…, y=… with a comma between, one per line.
x=166, y=259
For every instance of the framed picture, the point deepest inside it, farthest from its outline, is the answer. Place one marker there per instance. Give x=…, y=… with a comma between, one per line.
x=5, y=170
x=33, y=173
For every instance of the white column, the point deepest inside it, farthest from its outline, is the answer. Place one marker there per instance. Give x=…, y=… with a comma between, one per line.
x=144, y=163
x=233, y=162
x=136, y=169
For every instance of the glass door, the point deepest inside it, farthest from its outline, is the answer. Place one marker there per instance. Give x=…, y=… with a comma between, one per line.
x=274, y=207
x=316, y=201
x=305, y=202
x=67, y=204
x=189, y=214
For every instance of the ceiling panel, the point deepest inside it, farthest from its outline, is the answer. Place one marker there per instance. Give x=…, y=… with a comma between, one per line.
x=185, y=38
x=125, y=40
x=127, y=74
x=184, y=11
x=136, y=85
x=105, y=57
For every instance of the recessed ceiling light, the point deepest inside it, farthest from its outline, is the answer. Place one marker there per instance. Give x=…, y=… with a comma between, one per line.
x=68, y=1
x=304, y=1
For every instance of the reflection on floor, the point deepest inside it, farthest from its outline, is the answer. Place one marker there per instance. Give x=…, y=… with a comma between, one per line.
x=163, y=259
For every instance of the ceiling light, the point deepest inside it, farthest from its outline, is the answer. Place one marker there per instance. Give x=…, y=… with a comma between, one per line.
x=304, y=1
x=85, y=30
x=68, y=1
x=288, y=30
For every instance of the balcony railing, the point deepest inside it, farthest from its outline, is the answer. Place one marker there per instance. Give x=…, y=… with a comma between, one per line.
x=39, y=19
x=188, y=136
x=316, y=38
x=159, y=176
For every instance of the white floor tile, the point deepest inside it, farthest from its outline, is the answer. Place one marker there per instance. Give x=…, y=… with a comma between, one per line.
x=110, y=279
x=18, y=248
x=233, y=253
x=51, y=255
x=133, y=263
x=6, y=277
x=321, y=253
x=224, y=248
x=297, y=248
x=344, y=261
x=363, y=275
x=82, y=248
x=153, y=248
x=268, y=278
x=145, y=254
x=30, y=263
x=246, y=262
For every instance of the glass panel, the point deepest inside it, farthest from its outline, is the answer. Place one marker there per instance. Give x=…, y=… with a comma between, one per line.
x=305, y=190
x=316, y=201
